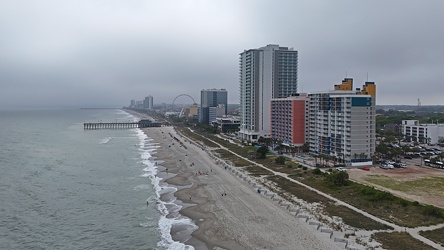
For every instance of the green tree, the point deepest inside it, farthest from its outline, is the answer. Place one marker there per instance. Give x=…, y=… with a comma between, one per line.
x=338, y=178
x=382, y=150
x=280, y=160
x=316, y=171
x=262, y=152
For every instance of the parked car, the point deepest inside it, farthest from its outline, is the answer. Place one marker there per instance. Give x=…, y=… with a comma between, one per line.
x=366, y=168
x=408, y=157
x=399, y=165
x=341, y=169
x=386, y=166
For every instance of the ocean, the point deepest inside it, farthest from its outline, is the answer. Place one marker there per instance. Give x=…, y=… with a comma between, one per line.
x=63, y=187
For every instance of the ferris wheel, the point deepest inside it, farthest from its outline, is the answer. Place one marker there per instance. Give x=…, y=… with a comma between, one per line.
x=182, y=110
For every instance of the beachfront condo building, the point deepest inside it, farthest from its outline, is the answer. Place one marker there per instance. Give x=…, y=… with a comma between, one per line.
x=212, y=100
x=342, y=123
x=148, y=102
x=264, y=73
x=289, y=118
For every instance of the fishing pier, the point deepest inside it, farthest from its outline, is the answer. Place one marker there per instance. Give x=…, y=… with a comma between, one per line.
x=121, y=125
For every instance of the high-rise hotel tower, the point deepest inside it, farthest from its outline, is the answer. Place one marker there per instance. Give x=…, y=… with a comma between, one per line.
x=342, y=123
x=264, y=73
x=211, y=99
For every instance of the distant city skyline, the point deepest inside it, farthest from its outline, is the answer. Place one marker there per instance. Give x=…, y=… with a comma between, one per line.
x=104, y=53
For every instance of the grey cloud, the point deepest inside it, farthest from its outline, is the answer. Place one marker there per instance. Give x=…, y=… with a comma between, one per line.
x=108, y=52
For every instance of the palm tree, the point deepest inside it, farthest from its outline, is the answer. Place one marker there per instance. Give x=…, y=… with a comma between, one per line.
x=421, y=139
x=382, y=150
x=440, y=156
x=405, y=149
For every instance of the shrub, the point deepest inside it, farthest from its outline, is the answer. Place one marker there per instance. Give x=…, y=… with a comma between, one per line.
x=403, y=203
x=280, y=160
x=368, y=190
x=338, y=178
x=262, y=152
x=316, y=171
x=375, y=195
x=304, y=168
x=432, y=211
x=382, y=195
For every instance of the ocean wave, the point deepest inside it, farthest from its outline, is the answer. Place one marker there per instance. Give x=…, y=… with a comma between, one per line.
x=166, y=208
x=105, y=140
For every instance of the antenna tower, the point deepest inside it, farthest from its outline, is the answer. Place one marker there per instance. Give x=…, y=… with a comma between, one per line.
x=419, y=102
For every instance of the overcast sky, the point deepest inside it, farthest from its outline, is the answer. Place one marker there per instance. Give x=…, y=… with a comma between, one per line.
x=107, y=52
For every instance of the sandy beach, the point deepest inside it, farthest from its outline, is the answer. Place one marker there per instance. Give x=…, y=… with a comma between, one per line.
x=230, y=213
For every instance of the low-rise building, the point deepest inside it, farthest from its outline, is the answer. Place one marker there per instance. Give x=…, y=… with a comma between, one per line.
x=412, y=130
x=227, y=124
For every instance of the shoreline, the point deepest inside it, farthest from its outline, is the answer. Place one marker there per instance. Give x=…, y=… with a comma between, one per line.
x=228, y=212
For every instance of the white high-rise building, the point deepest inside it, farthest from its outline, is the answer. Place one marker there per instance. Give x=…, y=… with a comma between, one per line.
x=264, y=73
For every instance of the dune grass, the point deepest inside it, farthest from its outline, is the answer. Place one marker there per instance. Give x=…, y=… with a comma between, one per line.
x=436, y=235
x=399, y=240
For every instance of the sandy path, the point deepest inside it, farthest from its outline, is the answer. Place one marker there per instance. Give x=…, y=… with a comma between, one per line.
x=241, y=219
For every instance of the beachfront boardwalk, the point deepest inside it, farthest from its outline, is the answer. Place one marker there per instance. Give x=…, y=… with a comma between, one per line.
x=121, y=125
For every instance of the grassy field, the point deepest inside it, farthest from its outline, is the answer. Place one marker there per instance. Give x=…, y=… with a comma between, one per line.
x=289, y=167
x=197, y=137
x=256, y=171
x=434, y=235
x=379, y=203
x=430, y=185
x=236, y=160
x=399, y=240
x=348, y=216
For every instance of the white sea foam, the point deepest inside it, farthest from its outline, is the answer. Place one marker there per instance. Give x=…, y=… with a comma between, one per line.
x=105, y=140
x=142, y=187
x=165, y=224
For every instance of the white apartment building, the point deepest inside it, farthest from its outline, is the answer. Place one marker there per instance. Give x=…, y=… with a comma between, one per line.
x=342, y=123
x=423, y=133
x=264, y=73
